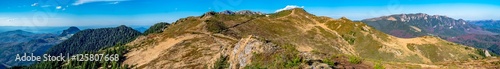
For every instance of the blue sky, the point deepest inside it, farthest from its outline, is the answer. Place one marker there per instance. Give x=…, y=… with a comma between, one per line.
x=148, y=12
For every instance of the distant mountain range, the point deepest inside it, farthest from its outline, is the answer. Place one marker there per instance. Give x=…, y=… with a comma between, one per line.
x=59, y=29
x=490, y=25
x=420, y=24
x=141, y=29
x=480, y=34
x=20, y=42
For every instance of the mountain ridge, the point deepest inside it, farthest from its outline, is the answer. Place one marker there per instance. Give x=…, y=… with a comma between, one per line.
x=428, y=24
x=284, y=40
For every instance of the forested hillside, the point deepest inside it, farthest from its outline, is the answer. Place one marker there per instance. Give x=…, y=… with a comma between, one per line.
x=92, y=40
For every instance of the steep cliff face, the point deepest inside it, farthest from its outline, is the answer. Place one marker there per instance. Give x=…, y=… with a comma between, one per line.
x=287, y=39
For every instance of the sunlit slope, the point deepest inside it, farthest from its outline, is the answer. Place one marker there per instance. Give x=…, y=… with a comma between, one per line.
x=286, y=39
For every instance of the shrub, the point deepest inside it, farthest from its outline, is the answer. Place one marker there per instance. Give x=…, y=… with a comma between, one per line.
x=481, y=52
x=157, y=28
x=349, y=39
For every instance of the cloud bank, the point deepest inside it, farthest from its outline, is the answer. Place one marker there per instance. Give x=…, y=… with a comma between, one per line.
x=288, y=7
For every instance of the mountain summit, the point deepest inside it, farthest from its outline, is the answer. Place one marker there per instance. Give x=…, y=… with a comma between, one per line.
x=69, y=32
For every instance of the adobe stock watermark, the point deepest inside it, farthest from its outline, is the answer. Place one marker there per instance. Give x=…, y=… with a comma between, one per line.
x=46, y=57
x=67, y=57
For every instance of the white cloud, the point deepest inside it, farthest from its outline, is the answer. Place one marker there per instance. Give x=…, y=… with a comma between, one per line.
x=114, y=2
x=288, y=7
x=79, y=2
x=45, y=6
x=34, y=4
x=10, y=20
x=58, y=7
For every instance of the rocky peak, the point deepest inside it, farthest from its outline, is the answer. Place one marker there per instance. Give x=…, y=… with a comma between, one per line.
x=70, y=31
x=227, y=12
x=248, y=12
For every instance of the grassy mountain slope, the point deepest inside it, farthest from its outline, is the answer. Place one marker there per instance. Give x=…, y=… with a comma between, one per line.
x=286, y=39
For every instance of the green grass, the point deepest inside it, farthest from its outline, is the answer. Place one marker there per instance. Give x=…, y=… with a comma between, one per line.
x=294, y=62
x=286, y=57
x=430, y=51
x=354, y=60
x=378, y=66
x=221, y=63
x=330, y=63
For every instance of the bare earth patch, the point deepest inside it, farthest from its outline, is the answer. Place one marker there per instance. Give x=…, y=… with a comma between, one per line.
x=146, y=55
x=416, y=29
x=391, y=19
